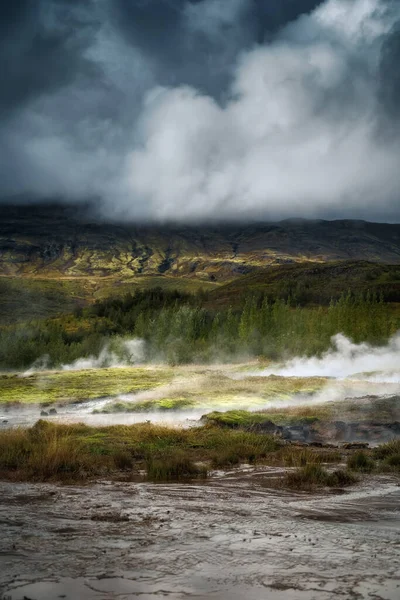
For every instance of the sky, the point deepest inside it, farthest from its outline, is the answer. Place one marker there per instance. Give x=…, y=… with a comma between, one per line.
x=202, y=110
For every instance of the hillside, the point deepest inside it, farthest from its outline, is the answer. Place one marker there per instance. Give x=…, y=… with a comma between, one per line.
x=53, y=258
x=316, y=283
x=54, y=241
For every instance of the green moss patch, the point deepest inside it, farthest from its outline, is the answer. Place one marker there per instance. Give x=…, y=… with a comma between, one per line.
x=77, y=386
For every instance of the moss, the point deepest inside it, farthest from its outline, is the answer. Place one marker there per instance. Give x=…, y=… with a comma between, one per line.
x=236, y=419
x=246, y=419
x=77, y=386
x=164, y=404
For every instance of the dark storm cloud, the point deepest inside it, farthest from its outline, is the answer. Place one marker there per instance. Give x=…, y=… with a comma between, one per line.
x=203, y=109
x=197, y=42
x=41, y=48
x=390, y=73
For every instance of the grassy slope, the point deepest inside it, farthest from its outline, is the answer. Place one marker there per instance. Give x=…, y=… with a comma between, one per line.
x=53, y=259
x=26, y=298
x=315, y=284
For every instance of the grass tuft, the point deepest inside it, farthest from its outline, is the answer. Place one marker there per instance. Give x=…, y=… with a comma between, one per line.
x=314, y=475
x=360, y=461
x=386, y=450
x=174, y=467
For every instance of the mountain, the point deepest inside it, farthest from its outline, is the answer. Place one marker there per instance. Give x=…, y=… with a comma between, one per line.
x=54, y=258
x=57, y=241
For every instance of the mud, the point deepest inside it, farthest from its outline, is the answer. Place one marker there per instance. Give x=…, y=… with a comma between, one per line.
x=232, y=537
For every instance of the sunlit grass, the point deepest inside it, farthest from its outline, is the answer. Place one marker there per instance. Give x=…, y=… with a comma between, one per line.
x=76, y=386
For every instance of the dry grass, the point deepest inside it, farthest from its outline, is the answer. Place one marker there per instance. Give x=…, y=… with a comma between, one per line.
x=174, y=467
x=360, y=461
x=314, y=475
x=43, y=453
x=299, y=457
x=50, y=451
x=78, y=452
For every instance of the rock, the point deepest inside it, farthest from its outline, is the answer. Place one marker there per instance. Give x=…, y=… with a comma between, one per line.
x=52, y=411
x=43, y=413
x=355, y=445
x=267, y=427
x=298, y=443
x=296, y=433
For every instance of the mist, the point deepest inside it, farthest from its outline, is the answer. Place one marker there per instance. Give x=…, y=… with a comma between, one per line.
x=117, y=353
x=346, y=359
x=229, y=111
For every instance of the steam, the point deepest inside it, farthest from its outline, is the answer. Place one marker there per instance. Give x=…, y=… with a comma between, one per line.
x=347, y=359
x=118, y=353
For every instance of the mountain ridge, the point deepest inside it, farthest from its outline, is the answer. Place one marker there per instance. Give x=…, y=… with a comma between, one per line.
x=53, y=241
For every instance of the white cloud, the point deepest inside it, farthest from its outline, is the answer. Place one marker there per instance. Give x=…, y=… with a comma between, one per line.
x=297, y=137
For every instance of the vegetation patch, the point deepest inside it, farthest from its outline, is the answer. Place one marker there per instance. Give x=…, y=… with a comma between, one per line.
x=255, y=420
x=77, y=386
x=292, y=456
x=236, y=419
x=163, y=404
x=360, y=461
x=314, y=475
x=174, y=467
x=388, y=456
x=50, y=451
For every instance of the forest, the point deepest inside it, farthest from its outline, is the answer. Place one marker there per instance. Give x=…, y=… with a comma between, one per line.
x=179, y=327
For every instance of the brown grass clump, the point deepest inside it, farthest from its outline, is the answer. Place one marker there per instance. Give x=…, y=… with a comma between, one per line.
x=314, y=475
x=300, y=457
x=174, y=467
x=360, y=461
x=43, y=453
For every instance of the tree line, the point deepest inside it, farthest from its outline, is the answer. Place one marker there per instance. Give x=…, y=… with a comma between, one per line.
x=179, y=327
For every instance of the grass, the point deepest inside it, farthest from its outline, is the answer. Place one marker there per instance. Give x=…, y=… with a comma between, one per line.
x=314, y=475
x=76, y=386
x=388, y=456
x=50, y=451
x=42, y=454
x=360, y=461
x=174, y=467
x=300, y=457
x=392, y=448
x=255, y=420
x=77, y=453
x=163, y=404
